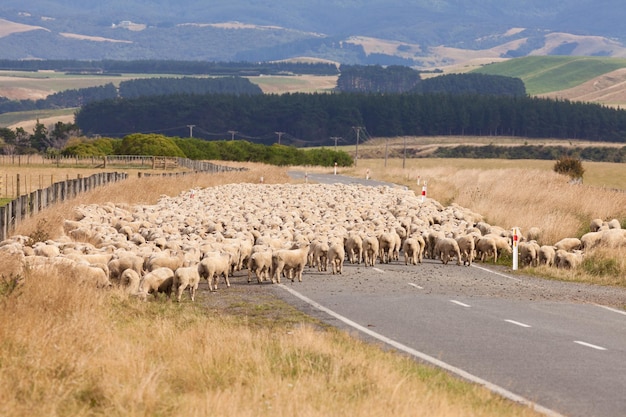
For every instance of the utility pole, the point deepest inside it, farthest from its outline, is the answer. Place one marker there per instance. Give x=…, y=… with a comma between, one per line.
x=280, y=134
x=191, y=130
x=232, y=134
x=357, y=129
x=335, y=138
x=386, y=150
x=404, y=158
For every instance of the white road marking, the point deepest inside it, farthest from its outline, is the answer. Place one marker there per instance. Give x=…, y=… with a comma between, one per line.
x=589, y=345
x=497, y=273
x=416, y=286
x=517, y=323
x=443, y=365
x=614, y=310
x=378, y=270
x=460, y=303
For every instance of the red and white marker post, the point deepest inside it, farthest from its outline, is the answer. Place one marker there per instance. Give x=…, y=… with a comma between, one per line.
x=516, y=234
x=424, y=192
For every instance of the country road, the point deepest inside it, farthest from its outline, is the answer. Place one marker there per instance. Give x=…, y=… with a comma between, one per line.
x=558, y=346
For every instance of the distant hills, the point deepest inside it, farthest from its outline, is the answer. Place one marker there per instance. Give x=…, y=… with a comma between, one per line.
x=420, y=33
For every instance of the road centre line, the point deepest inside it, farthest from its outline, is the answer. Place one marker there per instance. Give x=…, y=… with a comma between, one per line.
x=517, y=323
x=496, y=273
x=416, y=286
x=460, y=303
x=379, y=270
x=427, y=358
x=589, y=345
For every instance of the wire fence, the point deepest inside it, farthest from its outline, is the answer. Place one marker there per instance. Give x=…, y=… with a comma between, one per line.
x=31, y=194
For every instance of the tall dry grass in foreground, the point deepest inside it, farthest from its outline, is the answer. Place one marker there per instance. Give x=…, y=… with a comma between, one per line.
x=77, y=351
x=70, y=351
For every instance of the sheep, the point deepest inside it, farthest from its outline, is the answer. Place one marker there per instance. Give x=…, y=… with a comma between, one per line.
x=159, y=280
x=260, y=263
x=386, y=245
x=354, y=247
x=186, y=276
x=614, y=224
x=467, y=247
x=447, y=248
x=123, y=261
x=318, y=255
x=172, y=260
x=370, y=250
x=411, y=249
x=533, y=233
x=214, y=264
x=486, y=247
x=129, y=280
x=568, y=244
x=292, y=259
x=546, y=255
x=528, y=253
x=595, y=225
x=568, y=260
x=336, y=256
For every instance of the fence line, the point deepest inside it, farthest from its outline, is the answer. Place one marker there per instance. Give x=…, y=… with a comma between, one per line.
x=24, y=206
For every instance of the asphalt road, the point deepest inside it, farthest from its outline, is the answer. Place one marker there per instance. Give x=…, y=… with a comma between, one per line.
x=560, y=355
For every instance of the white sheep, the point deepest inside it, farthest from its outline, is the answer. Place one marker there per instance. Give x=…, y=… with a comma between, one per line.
x=568, y=260
x=411, y=249
x=289, y=259
x=260, y=263
x=157, y=281
x=186, y=276
x=370, y=250
x=485, y=247
x=354, y=247
x=546, y=255
x=447, y=248
x=336, y=256
x=129, y=280
x=467, y=247
x=529, y=252
x=214, y=264
x=568, y=244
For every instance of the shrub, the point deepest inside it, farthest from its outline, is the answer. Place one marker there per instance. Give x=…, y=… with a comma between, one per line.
x=569, y=166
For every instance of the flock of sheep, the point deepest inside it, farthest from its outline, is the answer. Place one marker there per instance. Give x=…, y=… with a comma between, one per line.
x=277, y=231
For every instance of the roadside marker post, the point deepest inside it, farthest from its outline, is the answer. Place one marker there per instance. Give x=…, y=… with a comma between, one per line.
x=424, y=192
x=335, y=168
x=367, y=174
x=516, y=233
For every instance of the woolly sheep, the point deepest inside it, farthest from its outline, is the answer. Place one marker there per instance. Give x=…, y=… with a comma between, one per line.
x=129, y=280
x=354, y=247
x=567, y=260
x=186, y=276
x=411, y=249
x=467, y=247
x=157, y=281
x=546, y=255
x=292, y=259
x=336, y=256
x=447, y=248
x=260, y=263
x=486, y=247
x=528, y=253
x=370, y=250
x=568, y=244
x=213, y=265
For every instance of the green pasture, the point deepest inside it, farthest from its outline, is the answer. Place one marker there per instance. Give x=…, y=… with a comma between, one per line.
x=544, y=74
x=9, y=119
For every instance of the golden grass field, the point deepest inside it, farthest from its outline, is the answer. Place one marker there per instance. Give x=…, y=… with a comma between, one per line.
x=78, y=351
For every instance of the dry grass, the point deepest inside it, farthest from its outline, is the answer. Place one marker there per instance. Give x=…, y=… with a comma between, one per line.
x=79, y=351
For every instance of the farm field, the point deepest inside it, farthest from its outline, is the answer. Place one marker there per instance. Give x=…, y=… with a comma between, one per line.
x=549, y=74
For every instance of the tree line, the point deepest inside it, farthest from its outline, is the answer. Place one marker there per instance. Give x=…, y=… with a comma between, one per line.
x=311, y=119
x=401, y=79
x=133, y=89
x=197, y=149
